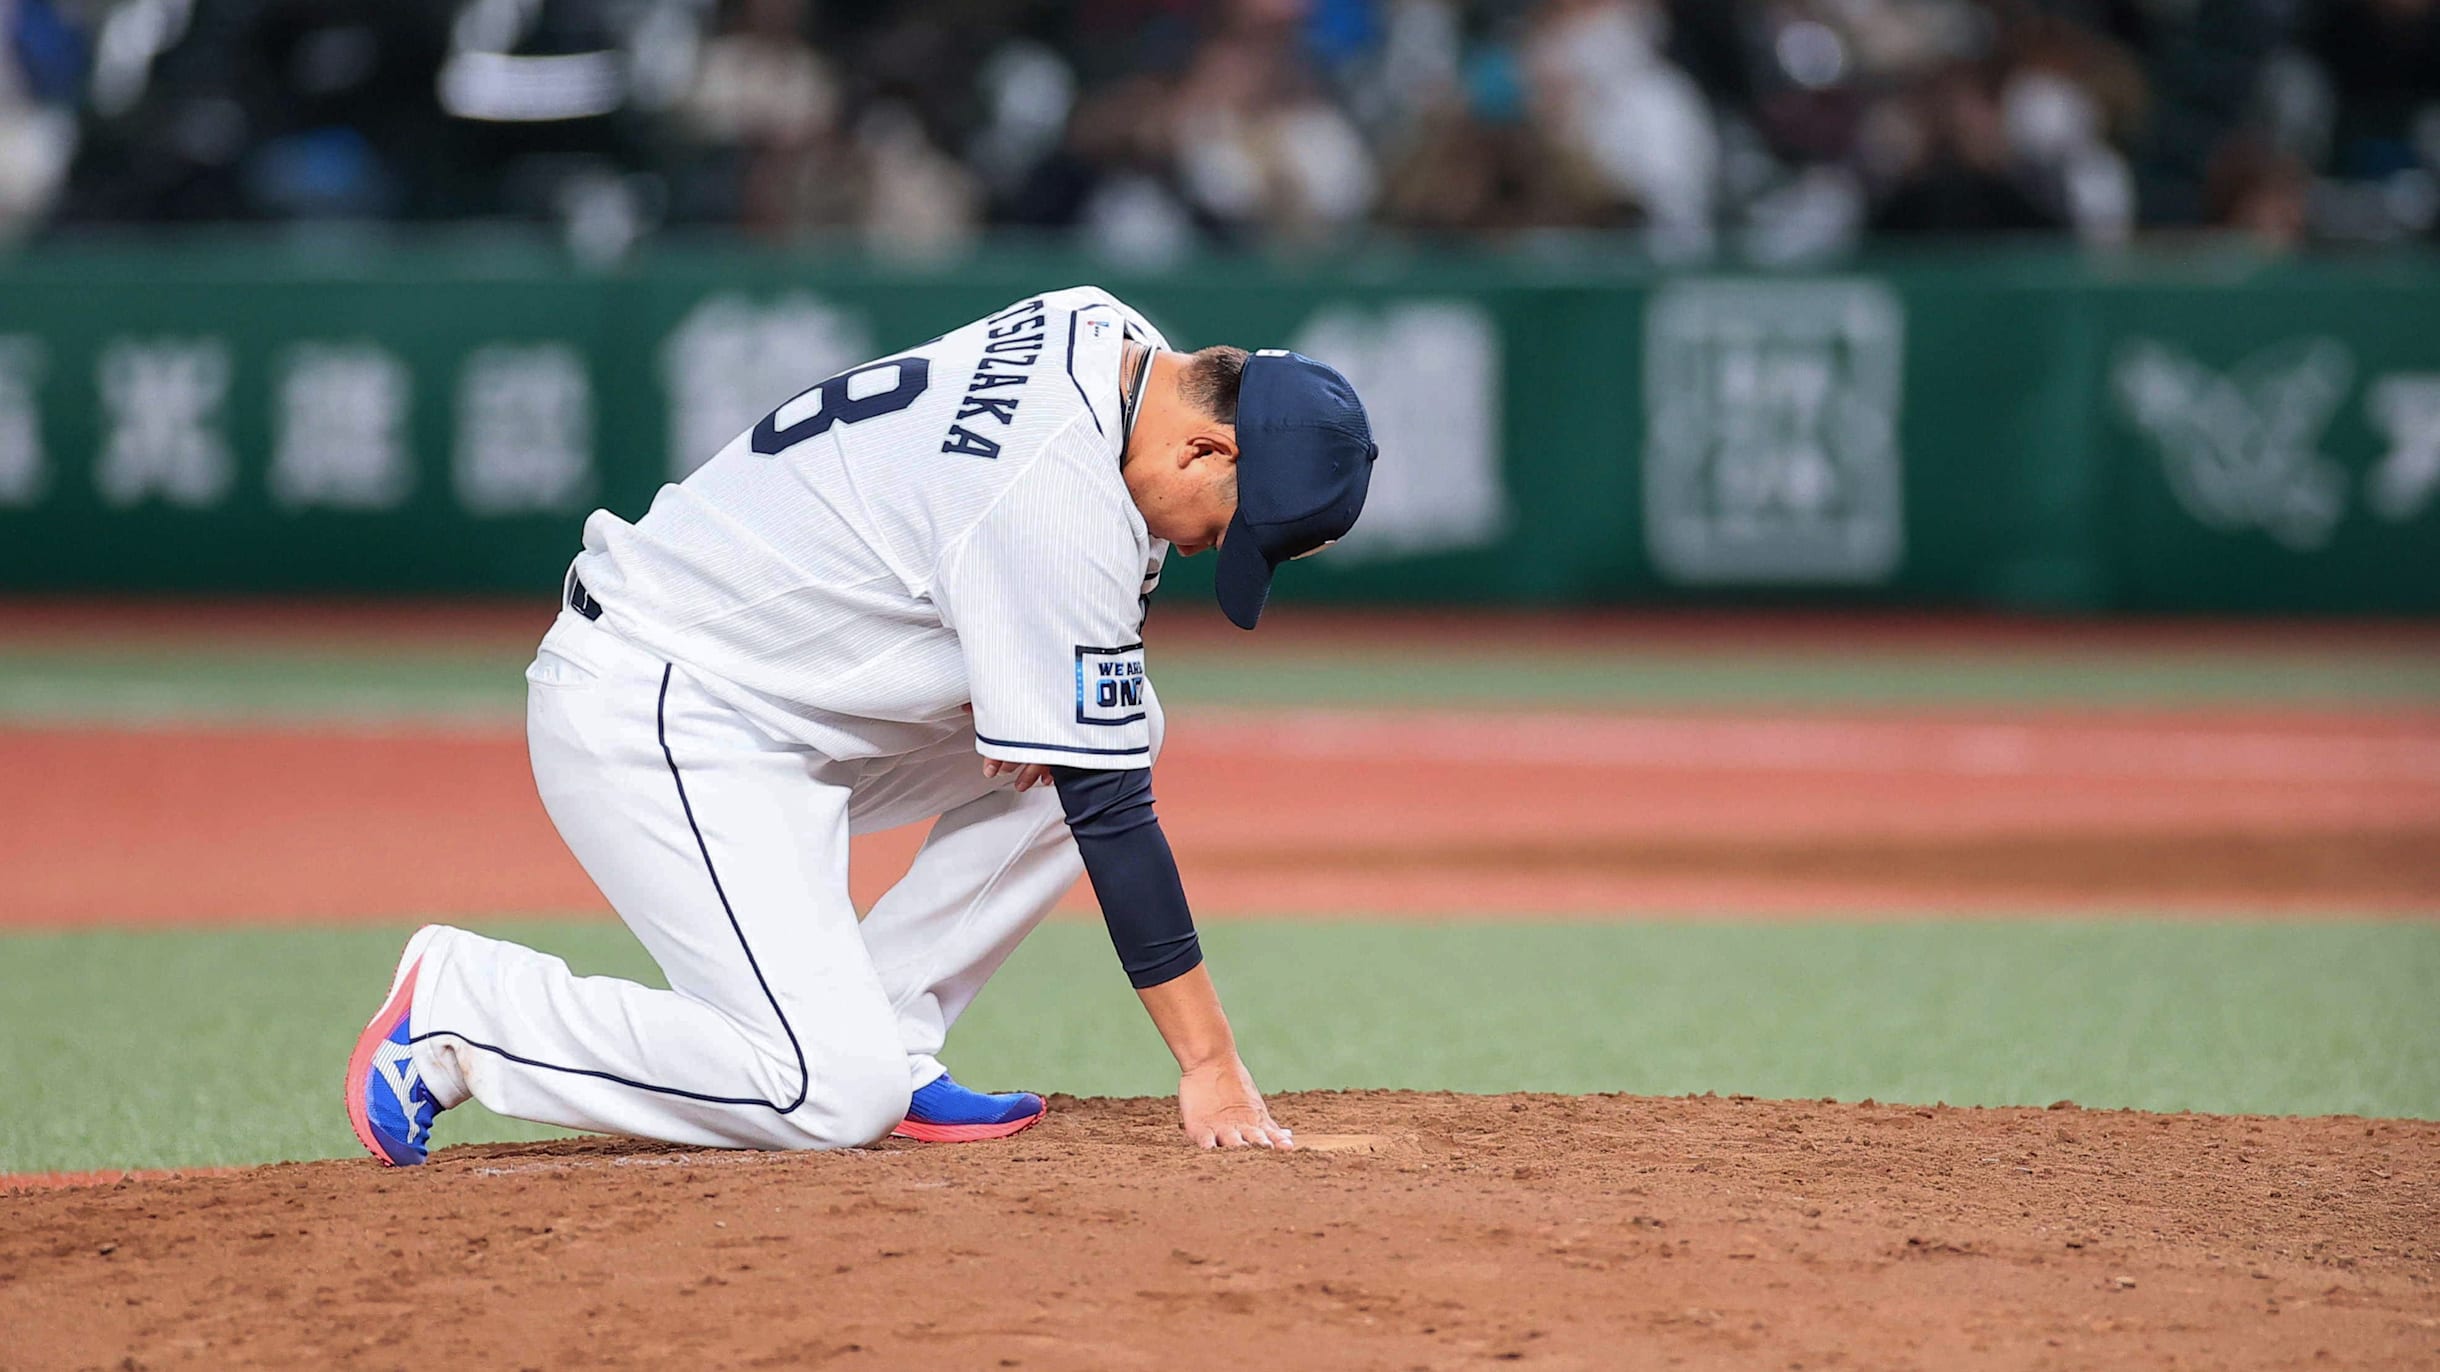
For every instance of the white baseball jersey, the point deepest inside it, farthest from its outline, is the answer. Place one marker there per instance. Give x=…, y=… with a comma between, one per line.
x=943, y=527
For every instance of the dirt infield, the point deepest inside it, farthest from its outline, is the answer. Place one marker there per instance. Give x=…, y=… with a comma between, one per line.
x=1592, y=1232
x=1424, y=813
x=2293, y=810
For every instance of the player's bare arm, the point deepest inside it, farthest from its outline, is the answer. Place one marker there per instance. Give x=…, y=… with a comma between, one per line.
x=1218, y=1105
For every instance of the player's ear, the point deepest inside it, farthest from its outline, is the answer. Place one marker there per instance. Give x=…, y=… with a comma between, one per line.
x=1213, y=443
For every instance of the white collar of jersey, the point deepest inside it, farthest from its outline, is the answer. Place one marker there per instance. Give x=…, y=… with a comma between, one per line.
x=1131, y=398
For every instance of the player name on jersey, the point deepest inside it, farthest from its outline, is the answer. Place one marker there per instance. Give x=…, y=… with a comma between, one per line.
x=1015, y=345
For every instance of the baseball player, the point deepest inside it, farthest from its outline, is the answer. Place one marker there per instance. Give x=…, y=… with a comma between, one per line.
x=916, y=591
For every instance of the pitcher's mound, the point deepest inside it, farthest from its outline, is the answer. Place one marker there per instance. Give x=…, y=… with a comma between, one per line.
x=1410, y=1230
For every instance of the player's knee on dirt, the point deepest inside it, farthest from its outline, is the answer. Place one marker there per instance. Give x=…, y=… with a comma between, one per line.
x=857, y=1099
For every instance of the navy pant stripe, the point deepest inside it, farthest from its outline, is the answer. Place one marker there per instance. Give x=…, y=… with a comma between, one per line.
x=804, y=1077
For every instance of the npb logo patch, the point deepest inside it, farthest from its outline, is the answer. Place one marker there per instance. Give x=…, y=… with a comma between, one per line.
x=1110, y=684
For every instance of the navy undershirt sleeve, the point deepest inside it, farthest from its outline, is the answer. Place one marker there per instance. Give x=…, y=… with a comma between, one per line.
x=1134, y=874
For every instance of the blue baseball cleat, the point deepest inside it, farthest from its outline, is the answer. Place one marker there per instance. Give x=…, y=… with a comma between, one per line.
x=387, y=1102
x=945, y=1112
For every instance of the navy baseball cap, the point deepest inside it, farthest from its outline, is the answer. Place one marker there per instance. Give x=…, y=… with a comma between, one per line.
x=1304, y=460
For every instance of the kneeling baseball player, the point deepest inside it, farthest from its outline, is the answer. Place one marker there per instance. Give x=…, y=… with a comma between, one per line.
x=940, y=555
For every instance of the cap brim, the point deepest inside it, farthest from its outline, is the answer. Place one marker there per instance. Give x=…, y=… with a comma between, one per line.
x=1243, y=578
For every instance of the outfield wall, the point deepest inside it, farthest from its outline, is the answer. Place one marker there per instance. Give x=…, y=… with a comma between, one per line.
x=2022, y=433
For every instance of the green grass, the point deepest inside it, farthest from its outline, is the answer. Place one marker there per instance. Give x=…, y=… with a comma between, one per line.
x=153, y=1049
x=133, y=685
x=286, y=683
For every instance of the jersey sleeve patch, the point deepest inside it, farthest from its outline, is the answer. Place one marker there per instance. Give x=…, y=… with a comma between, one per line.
x=1110, y=684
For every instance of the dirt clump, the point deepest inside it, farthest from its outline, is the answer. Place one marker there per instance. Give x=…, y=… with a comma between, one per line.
x=1543, y=1231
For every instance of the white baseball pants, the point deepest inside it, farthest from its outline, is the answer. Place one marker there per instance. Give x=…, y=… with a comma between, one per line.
x=787, y=1023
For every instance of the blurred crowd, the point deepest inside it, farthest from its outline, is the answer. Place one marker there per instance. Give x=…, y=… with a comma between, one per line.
x=1773, y=130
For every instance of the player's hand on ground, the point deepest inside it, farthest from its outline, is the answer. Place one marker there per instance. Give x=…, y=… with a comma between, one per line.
x=1028, y=774
x=1220, y=1108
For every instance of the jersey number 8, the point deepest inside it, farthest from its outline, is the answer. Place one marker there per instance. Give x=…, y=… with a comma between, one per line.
x=839, y=407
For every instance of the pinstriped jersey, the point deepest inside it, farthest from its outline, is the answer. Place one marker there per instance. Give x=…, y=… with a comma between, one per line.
x=940, y=530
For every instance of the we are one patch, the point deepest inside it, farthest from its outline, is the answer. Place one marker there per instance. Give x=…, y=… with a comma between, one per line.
x=1110, y=684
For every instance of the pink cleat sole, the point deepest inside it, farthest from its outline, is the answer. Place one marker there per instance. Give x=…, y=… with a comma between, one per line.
x=963, y=1133
x=384, y=1023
